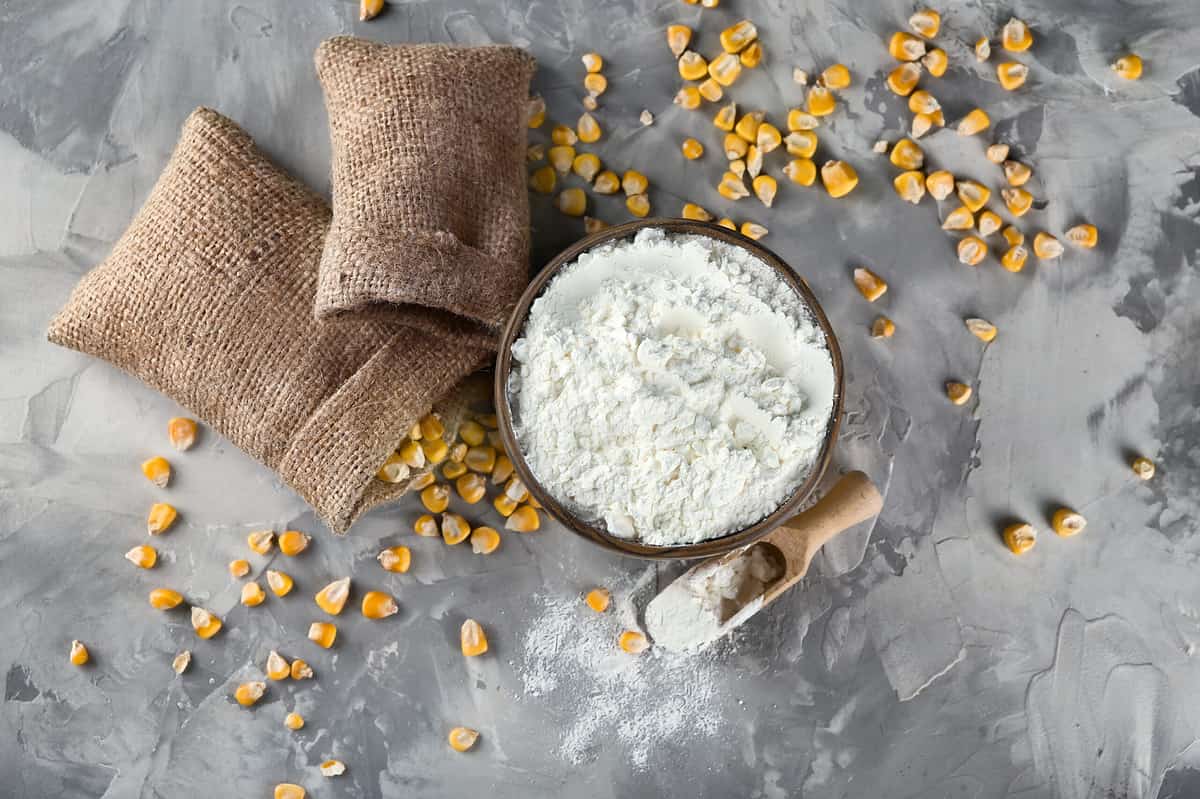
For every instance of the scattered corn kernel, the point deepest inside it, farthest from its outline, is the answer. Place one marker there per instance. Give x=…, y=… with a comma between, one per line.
x=606, y=182
x=253, y=595
x=688, y=97
x=587, y=166
x=504, y=506
x=1046, y=246
x=293, y=721
x=289, y=790
x=752, y=56
x=332, y=598
x=935, y=62
x=598, y=599
x=523, y=520
x=158, y=471
x=588, y=127
x=922, y=102
x=997, y=153
x=301, y=670
x=1014, y=259
x=293, y=542
x=820, y=101
x=239, y=568
x=181, y=662
x=379, y=605
x=958, y=393
x=592, y=62
x=801, y=170
x=711, y=90
x=801, y=143
x=738, y=36
x=410, y=451
x=484, y=540
x=693, y=211
x=590, y=225
x=1011, y=75
x=633, y=182
x=1128, y=67
x=472, y=639
x=248, y=693
x=726, y=222
x=1084, y=235
x=836, y=77
x=165, y=599
x=921, y=124
x=883, y=327
x=735, y=146
x=753, y=230
x=940, y=184
x=910, y=186
x=182, y=433
x=747, y=126
x=1016, y=173
x=462, y=738
x=393, y=470
x=903, y=79
x=981, y=329
x=765, y=188
x=426, y=526
x=973, y=194
x=960, y=218
x=800, y=120
x=431, y=426
x=971, y=250
x=572, y=201
x=839, y=178
x=638, y=205
x=907, y=154
x=205, y=623
x=160, y=519
x=422, y=480
x=536, y=112
x=502, y=470
x=280, y=583
x=333, y=768
x=563, y=136
x=369, y=9
x=725, y=69
x=692, y=65
x=989, y=222
x=926, y=22
x=1012, y=236
x=738, y=168
x=731, y=187
x=1066, y=522
x=905, y=47
x=869, y=284
x=561, y=158
x=768, y=138
x=678, y=37
x=454, y=528
x=454, y=469
x=974, y=122
x=277, y=666
x=596, y=85
x=1016, y=36
x=322, y=633
x=1020, y=538
x=542, y=180
x=1143, y=467
x=436, y=450
x=436, y=497
x=1018, y=201
x=633, y=642
x=983, y=49
x=395, y=559
x=261, y=541
x=79, y=654
x=144, y=557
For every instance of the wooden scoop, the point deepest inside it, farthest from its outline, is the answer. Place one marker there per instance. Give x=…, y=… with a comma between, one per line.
x=789, y=549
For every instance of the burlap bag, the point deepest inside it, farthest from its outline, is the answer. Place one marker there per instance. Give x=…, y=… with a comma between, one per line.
x=430, y=211
x=208, y=297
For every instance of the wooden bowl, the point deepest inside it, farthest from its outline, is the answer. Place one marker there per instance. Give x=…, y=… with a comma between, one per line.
x=596, y=532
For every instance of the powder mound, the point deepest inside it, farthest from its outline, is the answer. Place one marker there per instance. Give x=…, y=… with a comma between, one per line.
x=673, y=387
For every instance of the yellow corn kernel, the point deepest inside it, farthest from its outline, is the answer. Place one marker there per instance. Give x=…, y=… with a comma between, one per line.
x=731, y=187
x=488, y=420
x=301, y=670
x=869, y=284
x=563, y=136
x=907, y=154
x=426, y=526
x=606, y=182
x=801, y=143
x=705, y=3
x=725, y=69
x=261, y=541
x=1046, y=246
x=1016, y=36
x=293, y=721
x=165, y=599
x=905, y=47
x=1066, y=522
x=1020, y=538
x=458, y=452
x=144, y=557
x=462, y=738
x=161, y=517
x=633, y=642
x=248, y=693
x=634, y=182
x=747, y=126
x=940, y=184
x=454, y=469
x=883, y=327
x=1012, y=236
x=158, y=471
x=960, y=218
x=536, y=112
x=472, y=639
x=454, y=528
x=504, y=506
x=598, y=599
x=592, y=62
x=1018, y=201
x=738, y=168
x=738, y=36
x=277, y=666
x=692, y=65
x=922, y=102
x=800, y=120
x=981, y=329
x=524, y=520
x=989, y=222
x=435, y=498
x=483, y=459
x=253, y=595
x=974, y=122
x=542, y=180
x=765, y=188
x=693, y=211
x=839, y=178
x=820, y=101
x=182, y=432
x=926, y=22
x=369, y=9
x=935, y=62
x=471, y=487
x=997, y=153
x=472, y=432
x=1016, y=173
x=983, y=49
x=1014, y=259
x=79, y=654
x=753, y=230
x=836, y=76
x=332, y=598
x=293, y=542
x=971, y=250
x=735, y=146
x=1128, y=67
x=1143, y=467
x=572, y=202
x=678, y=37
x=725, y=222
x=973, y=194
x=436, y=450
x=1084, y=235
x=410, y=451
x=181, y=662
x=711, y=90
x=903, y=79
x=688, y=97
x=958, y=393
x=332, y=768
x=801, y=170
x=503, y=469
x=484, y=540
x=378, y=605
x=588, y=127
x=515, y=490
x=752, y=56
x=561, y=158
x=395, y=559
x=322, y=633
x=586, y=165
x=910, y=186
x=239, y=568
x=431, y=426
x=1011, y=75
x=205, y=623
x=280, y=583
x=596, y=85
x=289, y=790
x=768, y=138
x=393, y=470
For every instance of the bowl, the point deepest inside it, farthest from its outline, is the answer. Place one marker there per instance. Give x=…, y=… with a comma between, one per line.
x=596, y=532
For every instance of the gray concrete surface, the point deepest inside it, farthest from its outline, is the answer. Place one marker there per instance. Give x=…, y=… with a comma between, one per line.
x=920, y=660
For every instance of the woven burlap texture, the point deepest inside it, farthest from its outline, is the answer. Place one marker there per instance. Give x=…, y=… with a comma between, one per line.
x=430, y=209
x=208, y=297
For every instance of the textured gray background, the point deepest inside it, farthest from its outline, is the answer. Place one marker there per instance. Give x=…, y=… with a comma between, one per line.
x=923, y=660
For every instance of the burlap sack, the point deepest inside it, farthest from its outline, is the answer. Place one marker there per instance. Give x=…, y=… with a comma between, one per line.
x=430, y=210
x=208, y=297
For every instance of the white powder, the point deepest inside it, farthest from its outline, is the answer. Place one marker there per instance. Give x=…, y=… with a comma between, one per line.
x=673, y=387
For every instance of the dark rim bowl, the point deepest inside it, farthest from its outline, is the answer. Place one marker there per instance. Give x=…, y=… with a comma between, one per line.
x=596, y=533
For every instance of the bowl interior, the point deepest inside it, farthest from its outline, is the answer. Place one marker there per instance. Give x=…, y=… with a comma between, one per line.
x=594, y=532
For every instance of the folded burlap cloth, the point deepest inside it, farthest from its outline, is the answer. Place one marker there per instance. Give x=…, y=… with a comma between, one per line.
x=430, y=211
x=208, y=298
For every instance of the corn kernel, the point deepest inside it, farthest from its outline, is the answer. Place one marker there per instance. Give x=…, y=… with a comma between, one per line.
x=820, y=101
x=910, y=186
x=765, y=188
x=436, y=497
x=524, y=520
x=587, y=166
x=293, y=542
x=332, y=598
x=180, y=663
x=935, y=62
x=678, y=37
x=322, y=633
x=436, y=450
x=378, y=605
x=410, y=451
x=592, y=62
x=1011, y=75
x=735, y=146
x=431, y=426
x=693, y=211
x=572, y=202
x=596, y=85
x=921, y=124
x=1128, y=67
x=422, y=481
x=752, y=56
x=738, y=36
x=1016, y=173
x=731, y=187
x=688, y=97
x=725, y=69
x=589, y=128
x=471, y=487
x=561, y=158
x=981, y=329
x=1018, y=201
x=801, y=170
x=182, y=433
x=989, y=222
x=706, y=3
x=454, y=528
x=726, y=222
x=903, y=79
x=205, y=623
x=753, y=230
x=393, y=470
x=563, y=136
x=971, y=250
x=535, y=153
x=835, y=77
x=293, y=721
x=983, y=49
x=926, y=22
x=905, y=47
x=906, y=154
x=301, y=670
x=144, y=557
x=454, y=469
x=484, y=540
x=839, y=178
x=79, y=654
x=959, y=393
x=160, y=519
x=1084, y=235
x=472, y=639
x=973, y=194
x=289, y=790
x=711, y=90
x=369, y=9
x=165, y=599
x=277, y=666
x=395, y=559
x=606, y=182
x=1046, y=246
x=997, y=153
x=253, y=595
x=239, y=568
x=1143, y=467
x=801, y=143
x=922, y=102
x=1020, y=538
x=747, y=126
x=634, y=182
x=332, y=768
x=633, y=642
x=542, y=180
x=800, y=120
x=462, y=738
x=974, y=122
x=883, y=327
x=248, y=693
x=598, y=599
x=940, y=184
x=960, y=218
x=1066, y=522
x=692, y=65
x=504, y=506
x=1014, y=259
x=502, y=470
x=869, y=284
x=261, y=541
x=158, y=471
x=426, y=526
x=536, y=112
x=768, y=138
x=280, y=583
x=1012, y=236
x=1016, y=36
x=738, y=168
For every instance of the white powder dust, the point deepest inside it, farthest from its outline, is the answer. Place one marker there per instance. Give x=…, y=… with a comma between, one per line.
x=673, y=387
